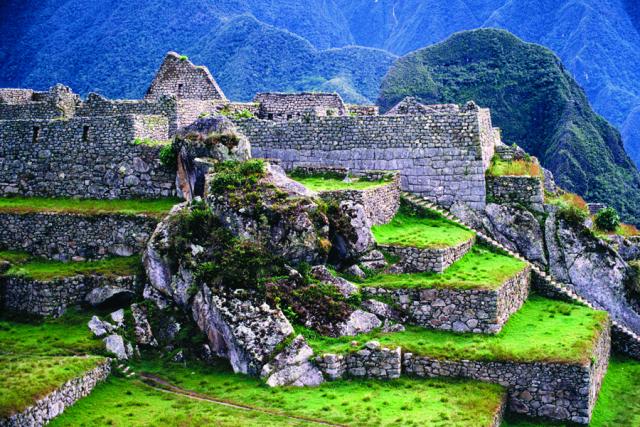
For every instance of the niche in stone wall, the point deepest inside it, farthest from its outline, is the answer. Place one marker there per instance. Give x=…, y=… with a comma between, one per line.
x=36, y=134
x=85, y=133
x=180, y=90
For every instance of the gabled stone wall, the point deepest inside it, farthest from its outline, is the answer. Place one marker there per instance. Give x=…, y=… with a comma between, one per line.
x=84, y=157
x=442, y=156
x=63, y=236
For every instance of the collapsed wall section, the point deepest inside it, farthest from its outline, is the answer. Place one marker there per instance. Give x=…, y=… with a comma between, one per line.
x=442, y=156
x=87, y=157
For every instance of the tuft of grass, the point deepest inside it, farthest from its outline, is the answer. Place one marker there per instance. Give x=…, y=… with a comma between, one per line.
x=24, y=379
x=152, y=142
x=324, y=183
x=45, y=270
x=523, y=167
x=435, y=232
x=157, y=208
x=14, y=257
x=543, y=330
x=480, y=268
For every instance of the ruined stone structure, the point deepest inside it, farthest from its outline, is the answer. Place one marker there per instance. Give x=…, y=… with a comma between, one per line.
x=288, y=106
x=65, y=236
x=527, y=191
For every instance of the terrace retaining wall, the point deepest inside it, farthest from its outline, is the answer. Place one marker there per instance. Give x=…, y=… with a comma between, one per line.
x=519, y=190
x=559, y=391
x=373, y=361
x=51, y=298
x=53, y=404
x=62, y=236
x=414, y=259
x=476, y=310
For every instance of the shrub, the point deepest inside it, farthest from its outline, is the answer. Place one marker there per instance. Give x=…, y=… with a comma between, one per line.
x=573, y=214
x=169, y=156
x=183, y=57
x=232, y=175
x=607, y=219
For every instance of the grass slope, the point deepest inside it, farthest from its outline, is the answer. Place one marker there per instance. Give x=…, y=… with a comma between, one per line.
x=319, y=183
x=410, y=230
x=480, y=268
x=44, y=270
x=542, y=330
x=157, y=208
x=535, y=102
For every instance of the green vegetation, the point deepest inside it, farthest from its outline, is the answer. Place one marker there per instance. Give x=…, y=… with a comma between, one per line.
x=231, y=175
x=480, y=268
x=572, y=208
x=535, y=102
x=617, y=403
x=152, y=142
x=157, y=208
x=607, y=219
x=542, y=330
x=45, y=270
x=399, y=402
x=14, y=257
x=431, y=232
x=322, y=183
x=26, y=379
x=524, y=167
x=168, y=156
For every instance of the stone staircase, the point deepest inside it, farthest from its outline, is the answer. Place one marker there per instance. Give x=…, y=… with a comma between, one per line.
x=623, y=337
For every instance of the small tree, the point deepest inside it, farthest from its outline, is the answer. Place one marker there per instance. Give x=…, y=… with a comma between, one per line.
x=607, y=219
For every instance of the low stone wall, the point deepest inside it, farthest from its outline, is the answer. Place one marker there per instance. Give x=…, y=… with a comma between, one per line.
x=53, y=404
x=563, y=392
x=373, y=361
x=415, y=260
x=522, y=190
x=64, y=236
x=478, y=311
x=24, y=295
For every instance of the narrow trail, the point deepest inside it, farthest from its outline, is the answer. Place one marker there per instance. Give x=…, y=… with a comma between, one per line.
x=163, y=385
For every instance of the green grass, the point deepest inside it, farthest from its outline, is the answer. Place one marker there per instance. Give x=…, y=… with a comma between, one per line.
x=432, y=233
x=26, y=379
x=15, y=257
x=45, y=270
x=542, y=330
x=319, y=183
x=152, y=142
x=157, y=208
x=479, y=268
x=618, y=403
x=366, y=403
x=523, y=167
x=120, y=402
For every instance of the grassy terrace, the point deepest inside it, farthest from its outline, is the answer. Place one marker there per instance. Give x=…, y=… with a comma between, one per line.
x=157, y=208
x=36, y=358
x=43, y=270
x=479, y=268
x=542, y=330
x=525, y=167
x=321, y=183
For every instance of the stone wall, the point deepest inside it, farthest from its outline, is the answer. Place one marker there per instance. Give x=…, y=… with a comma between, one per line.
x=474, y=310
x=414, y=260
x=519, y=190
x=64, y=236
x=51, y=298
x=624, y=343
x=442, y=156
x=179, y=78
x=53, y=404
x=559, y=391
x=84, y=157
x=363, y=110
x=373, y=361
x=288, y=106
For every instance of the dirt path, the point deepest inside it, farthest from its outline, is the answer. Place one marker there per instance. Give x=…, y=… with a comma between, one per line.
x=163, y=385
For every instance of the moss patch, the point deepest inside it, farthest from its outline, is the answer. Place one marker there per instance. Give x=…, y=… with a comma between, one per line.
x=432, y=232
x=157, y=208
x=480, y=268
x=542, y=330
x=44, y=270
x=323, y=183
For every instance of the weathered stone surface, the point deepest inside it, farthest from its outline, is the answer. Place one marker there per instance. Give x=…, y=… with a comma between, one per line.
x=293, y=366
x=240, y=328
x=517, y=190
x=381, y=309
x=356, y=271
x=359, y=322
x=109, y=296
x=373, y=361
x=116, y=345
x=414, y=259
x=323, y=274
x=99, y=327
x=118, y=317
x=144, y=334
x=354, y=236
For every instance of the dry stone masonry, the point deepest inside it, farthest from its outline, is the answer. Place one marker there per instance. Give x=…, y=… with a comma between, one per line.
x=53, y=404
x=474, y=310
x=525, y=191
x=413, y=260
x=373, y=361
x=63, y=236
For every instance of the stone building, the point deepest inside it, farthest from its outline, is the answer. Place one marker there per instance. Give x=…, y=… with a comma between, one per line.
x=287, y=106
